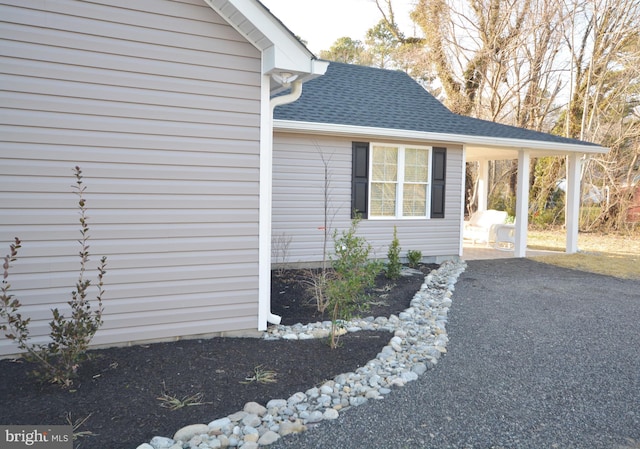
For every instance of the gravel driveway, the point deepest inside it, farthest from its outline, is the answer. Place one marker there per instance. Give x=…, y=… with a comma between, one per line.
x=539, y=357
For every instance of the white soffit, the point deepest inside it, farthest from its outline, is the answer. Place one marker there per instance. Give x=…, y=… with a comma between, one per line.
x=477, y=147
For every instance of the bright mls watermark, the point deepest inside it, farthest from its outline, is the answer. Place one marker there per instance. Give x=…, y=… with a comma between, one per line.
x=41, y=437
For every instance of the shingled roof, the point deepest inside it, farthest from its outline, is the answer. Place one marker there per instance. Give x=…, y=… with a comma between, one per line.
x=377, y=98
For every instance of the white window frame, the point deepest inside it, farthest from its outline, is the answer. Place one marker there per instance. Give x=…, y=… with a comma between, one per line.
x=400, y=181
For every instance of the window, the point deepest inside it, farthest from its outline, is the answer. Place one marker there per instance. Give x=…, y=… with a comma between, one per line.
x=416, y=182
x=398, y=181
x=384, y=181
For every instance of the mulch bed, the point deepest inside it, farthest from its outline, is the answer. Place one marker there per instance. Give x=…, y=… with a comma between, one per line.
x=117, y=390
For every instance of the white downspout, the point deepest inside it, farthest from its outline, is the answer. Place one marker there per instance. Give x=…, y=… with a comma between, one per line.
x=296, y=91
x=267, y=166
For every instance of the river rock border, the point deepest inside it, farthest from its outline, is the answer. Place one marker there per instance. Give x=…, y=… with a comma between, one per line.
x=419, y=339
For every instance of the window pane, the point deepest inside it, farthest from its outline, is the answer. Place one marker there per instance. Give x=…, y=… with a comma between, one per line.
x=416, y=165
x=385, y=164
x=383, y=199
x=414, y=203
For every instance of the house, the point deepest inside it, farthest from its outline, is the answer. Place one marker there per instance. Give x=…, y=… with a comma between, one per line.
x=396, y=155
x=167, y=107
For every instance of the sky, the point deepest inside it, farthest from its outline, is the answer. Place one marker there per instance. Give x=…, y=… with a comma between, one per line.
x=321, y=22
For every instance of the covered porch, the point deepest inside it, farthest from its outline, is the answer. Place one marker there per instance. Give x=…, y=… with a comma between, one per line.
x=574, y=154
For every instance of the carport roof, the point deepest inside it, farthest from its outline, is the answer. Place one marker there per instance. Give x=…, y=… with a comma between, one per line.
x=352, y=99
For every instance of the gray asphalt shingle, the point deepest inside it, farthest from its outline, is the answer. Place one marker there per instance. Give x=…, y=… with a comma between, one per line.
x=370, y=97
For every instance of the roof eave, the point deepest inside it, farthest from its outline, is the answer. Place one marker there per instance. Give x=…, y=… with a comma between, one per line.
x=461, y=139
x=281, y=50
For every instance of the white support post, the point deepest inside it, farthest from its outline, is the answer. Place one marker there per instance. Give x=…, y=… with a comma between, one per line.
x=522, y=204
x=572, y=202
x=463, y=189
x=483, y=184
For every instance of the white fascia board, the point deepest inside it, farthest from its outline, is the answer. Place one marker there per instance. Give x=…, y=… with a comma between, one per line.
x=480, y=141
x=281, y=50
x=277, y=59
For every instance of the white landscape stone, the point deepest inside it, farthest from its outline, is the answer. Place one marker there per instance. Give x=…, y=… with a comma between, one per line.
x=288, y=427
x=330, y=414
x=188, y=432
x=269, y=437
x=255, y=408
x=251, y=438
x=238, y=416
x=161, y=442
x=276, y=403
x=219, y=423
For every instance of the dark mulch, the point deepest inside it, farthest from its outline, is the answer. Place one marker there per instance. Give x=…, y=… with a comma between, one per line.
x=117, y=390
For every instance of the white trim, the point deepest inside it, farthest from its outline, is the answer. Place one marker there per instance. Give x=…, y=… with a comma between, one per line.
x=445, y=138
x=399, y=213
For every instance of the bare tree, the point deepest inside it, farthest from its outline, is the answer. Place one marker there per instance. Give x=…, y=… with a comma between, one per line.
x=604, y=42
x=564, y=65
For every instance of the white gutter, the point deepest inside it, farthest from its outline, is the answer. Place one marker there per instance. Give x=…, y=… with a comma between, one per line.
x=266, y=187
x=489, y=142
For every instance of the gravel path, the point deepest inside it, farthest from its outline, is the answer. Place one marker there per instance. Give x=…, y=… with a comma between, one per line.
x=539, y=357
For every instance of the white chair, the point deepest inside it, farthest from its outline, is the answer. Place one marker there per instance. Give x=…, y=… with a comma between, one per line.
x=505, y=237
x=482, y=225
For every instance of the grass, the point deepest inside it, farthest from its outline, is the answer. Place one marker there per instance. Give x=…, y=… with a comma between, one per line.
x=174, y=403
x=75, y=426
x=631, y=444
x=608, y=254
x=261, y=376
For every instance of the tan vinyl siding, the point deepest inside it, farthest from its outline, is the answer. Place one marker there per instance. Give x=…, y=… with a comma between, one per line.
x=298, y=202
x=158, y=102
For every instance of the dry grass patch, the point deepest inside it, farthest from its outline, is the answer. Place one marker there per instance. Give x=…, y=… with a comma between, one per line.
x=612, y=255
x=625, y=267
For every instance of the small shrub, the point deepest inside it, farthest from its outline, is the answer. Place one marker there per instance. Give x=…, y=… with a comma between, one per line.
x=394, y=266
x=315, y=282
x=280, y=252
x=58, y=360
x=414, y=257
x=353, y=273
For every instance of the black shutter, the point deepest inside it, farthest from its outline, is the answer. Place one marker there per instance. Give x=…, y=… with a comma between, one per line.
x=360, y=179
x=438, y=170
